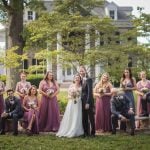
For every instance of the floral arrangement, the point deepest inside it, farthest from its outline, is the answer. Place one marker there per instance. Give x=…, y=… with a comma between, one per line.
x=145, y=90
x=32, y=104
x=49, y=92
x=75, y=94
x=24, y=90
x=1, y=88
x=101, y=91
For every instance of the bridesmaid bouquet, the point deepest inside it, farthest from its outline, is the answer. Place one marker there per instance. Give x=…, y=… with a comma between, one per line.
x=49, y=92
x=101, y=91
x=32, y=104
x=24, y=90
x=145, y=90
x=1, y=88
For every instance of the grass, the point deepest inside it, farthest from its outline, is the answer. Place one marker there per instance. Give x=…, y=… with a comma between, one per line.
x=46, y=142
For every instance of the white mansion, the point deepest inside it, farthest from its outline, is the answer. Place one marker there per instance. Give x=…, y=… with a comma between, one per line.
x=119, y=14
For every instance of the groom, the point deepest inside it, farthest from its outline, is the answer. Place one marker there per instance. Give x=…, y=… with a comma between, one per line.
x=87, y=103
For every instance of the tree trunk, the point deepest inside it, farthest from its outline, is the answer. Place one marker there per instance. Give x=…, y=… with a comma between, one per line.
x=15, y=30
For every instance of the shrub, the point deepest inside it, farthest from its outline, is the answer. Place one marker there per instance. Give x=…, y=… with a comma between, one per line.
x=3, y=78
x=62, y=100
x=35, y=79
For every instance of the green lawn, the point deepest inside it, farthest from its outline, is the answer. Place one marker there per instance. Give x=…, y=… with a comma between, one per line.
x=46, y=142
x=49, y=142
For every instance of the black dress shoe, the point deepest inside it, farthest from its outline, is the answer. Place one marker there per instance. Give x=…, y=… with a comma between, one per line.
x=113, y=131
x=85, y=135
x=15, y=134
x=93, y=135
x=132, y=133
x=144, y=115
x=2, y=133
x=28, y=132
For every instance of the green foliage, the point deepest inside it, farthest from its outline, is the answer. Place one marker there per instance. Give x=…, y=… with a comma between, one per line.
x=3, y=78
x=35, y=79
x=62, y=100
x=11, y=59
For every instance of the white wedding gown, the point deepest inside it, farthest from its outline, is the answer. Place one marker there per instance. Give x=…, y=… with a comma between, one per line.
x=71, y=124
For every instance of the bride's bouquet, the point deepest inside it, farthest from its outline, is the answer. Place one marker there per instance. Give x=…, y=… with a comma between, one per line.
x=75, y=94
x=49, y=92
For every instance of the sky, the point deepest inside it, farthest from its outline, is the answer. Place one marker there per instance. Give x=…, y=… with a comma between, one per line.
x=145, y=4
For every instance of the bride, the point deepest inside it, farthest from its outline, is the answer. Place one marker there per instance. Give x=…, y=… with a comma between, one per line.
x=71, y=124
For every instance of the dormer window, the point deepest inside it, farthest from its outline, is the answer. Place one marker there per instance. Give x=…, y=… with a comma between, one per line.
x=30, y=15
x=112, y=14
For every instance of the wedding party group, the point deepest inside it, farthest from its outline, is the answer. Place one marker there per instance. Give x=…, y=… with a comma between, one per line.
x=91, y=108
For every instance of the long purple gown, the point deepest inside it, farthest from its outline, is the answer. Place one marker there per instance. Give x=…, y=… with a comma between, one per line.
x=2, y=88
x=49, y=117
x=139, y=98
x=23, y=87
x=28, y=115
x=103, y=113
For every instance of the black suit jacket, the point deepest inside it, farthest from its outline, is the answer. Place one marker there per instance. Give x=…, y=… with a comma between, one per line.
x=13, y=108
x=120, y=104
x=87, y=92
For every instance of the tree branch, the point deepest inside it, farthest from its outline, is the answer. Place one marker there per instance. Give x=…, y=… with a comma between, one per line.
x=5, y=3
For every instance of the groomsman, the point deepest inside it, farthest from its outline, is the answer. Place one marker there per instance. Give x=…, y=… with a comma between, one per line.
x=87, y=103
x=121, y=108
x=13, y=110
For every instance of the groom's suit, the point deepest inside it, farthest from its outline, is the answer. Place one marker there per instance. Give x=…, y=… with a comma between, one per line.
x=87, y=98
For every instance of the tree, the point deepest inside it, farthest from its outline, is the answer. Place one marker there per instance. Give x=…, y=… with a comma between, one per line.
x=12, y=10
x=74, y=20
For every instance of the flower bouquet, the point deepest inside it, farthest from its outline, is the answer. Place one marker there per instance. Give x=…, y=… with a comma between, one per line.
x=32, y=104
x=24, y=90
x=144, y=91
x=49, y=92
x=75, y=94
x=101, y=91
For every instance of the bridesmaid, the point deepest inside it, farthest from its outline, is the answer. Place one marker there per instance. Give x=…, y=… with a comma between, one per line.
x=143, y=108
x=102, y=93
x=31, y=106
x=128, y=84
x=49, y=111
x=23, y=86
x=2, y=90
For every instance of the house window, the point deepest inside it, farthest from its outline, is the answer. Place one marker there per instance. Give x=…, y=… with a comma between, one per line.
x=33, y=62
x=30, y=15
x=25, y=64
x=68, y=71
x=112, y=14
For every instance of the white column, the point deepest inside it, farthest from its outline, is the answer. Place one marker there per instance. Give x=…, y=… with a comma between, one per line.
x=59, y=65
x=97, y=66
x=87, y=41
x=48, y=59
